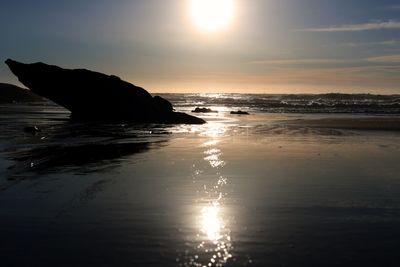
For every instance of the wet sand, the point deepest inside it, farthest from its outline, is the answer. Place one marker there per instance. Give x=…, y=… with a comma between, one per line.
x=369, y=123
x=238, y=191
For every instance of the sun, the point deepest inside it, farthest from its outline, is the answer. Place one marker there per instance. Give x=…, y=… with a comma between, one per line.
x=212, y=15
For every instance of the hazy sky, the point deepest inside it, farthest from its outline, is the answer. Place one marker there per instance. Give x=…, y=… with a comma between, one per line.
x=269, y=46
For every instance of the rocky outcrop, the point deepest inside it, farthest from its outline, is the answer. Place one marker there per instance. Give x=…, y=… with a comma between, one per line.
x=204, y=110
x=239, y=112
x=96, y=96
x=10, y=93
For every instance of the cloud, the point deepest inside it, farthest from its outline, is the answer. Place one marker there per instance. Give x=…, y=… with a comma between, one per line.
x=300, y=61
x=329, y=61
x=381, y=72
x=385, y=59
x=392, y=42
x=376, y=25
x=364, y=78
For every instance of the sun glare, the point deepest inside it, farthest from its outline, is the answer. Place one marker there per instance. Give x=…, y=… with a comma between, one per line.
x=212, y=15
x=211, y=223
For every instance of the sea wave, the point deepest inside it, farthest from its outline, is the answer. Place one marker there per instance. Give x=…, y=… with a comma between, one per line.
x=292, y=103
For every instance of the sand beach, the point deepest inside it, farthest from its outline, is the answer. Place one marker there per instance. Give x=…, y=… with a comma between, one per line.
x=258, y=190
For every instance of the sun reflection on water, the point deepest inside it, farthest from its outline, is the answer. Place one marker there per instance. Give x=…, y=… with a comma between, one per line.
x=211, y=223
x=215, y=129
x=213, y=232
x=214, y=236
x=213, y=157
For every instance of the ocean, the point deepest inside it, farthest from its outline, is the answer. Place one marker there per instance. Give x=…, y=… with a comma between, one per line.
x=290, y=103
x=303, y=180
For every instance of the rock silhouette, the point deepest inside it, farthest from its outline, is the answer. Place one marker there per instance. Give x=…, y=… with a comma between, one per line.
x=96, y=96
x=239, y=112
x=204, y=110
x=10, y=93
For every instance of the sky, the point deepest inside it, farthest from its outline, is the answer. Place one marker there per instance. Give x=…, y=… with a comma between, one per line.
x=268, y=46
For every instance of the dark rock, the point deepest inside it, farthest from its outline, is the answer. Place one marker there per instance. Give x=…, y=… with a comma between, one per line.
x=204, y=110
x=239, y=112
x=13, y=94
x=96, y=96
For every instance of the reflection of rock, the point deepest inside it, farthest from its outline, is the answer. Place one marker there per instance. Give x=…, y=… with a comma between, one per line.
x=83, y=157
x=204, y=110
x=92, y=95
x=239, y=112
x=13, y=94
x=79, y=147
